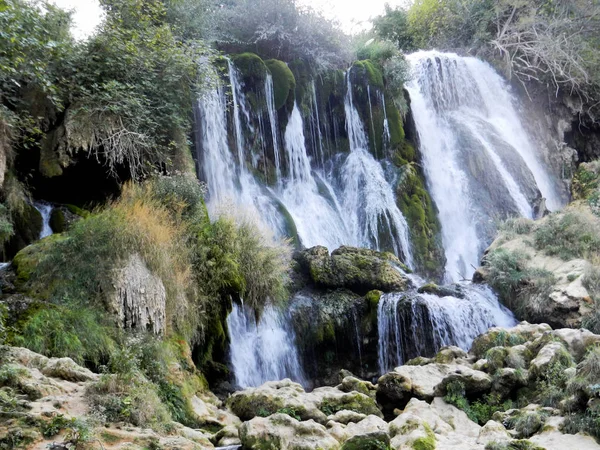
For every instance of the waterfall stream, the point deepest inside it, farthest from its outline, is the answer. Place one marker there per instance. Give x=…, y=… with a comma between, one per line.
x=262, y=351
x=410, y=324
x=479, y=163
x=45, y=209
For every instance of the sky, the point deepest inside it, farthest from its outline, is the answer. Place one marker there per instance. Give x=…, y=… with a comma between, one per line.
x=353, y=15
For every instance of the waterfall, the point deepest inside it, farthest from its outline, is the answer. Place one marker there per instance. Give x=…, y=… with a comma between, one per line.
x=479, y=163
x=317, y=123
x=262, y=351
x=368, y=197
x=412, y=324
x=317, y=216
x=270, y=97
x=45, y=209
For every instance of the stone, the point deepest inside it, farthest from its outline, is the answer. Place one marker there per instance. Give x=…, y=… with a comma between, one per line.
x=508, y=380
x=493, y=431
x=276, y=396
x=345, y=417
x=351, y=383
x=372, y=441
x=370, y=424
x=498, y=336
x=551, y=354
x=281, y=432
x=360, y=270
x=474, y=381
x=449, y=354
x=139, y=299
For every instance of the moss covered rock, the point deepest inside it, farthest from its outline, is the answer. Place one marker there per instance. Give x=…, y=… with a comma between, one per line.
x=252, y=68
x=357, y=269
x=284, y=83
x=27, y=226
x=26, y=261
x=373, y=441
x=370, y=72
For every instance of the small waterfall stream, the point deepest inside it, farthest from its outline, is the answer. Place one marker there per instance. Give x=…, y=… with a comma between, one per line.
x=45, y=209
x=411, y=324
x=262, y=351
x=479, y=163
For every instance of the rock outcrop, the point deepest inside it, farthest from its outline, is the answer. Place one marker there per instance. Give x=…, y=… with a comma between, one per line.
x=140, y=297
x=357, y=269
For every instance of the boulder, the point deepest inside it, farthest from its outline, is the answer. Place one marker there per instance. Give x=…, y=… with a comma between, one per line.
x=493, y=431
x=360, y=270
x=372, y=441
x=474, y=381
x=345, y=417
x=551, y=354
x=281, y=432
x=507, y=337
x=370, y=424
x=285, y=395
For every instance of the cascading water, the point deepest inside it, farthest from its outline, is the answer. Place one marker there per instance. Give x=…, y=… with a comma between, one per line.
x=411, y=324
x=479, y=163
x=45, y=209
x=368, y=197
x=262, y=351
x=270, y=98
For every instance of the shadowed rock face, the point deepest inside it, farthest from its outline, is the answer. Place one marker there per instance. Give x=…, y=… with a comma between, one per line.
x=140, y=297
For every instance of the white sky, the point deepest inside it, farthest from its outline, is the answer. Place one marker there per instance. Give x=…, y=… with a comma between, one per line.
x=353, y=15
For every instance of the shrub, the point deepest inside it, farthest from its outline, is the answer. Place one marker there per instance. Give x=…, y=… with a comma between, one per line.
x=480, y=411
x=82, y=334
x=569, y=235
x=522, y=289
x=129, y=398
x=591, y=281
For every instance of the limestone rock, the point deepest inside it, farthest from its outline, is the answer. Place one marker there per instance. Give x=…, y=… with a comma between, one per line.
x=552, y=353
x=370, y=424
x=360, y=270
x=139, y=297
x=372, y=441
x=493, y=431
x=281, y=432
x=516, y=335
x=276, y=396
x=345, y=417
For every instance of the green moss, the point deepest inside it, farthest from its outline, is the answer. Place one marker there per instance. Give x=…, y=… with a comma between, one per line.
x=247, y=406
x=416, y=205
x=57, y=220
x=371, y=71
x=425, y=442
x=356, y=402
x=78, y=211
x=372, y=298
x=496, y=357
x=371, y=441
x=252, y=68
x=26, y=261
x=284, y=83
x=397, y=136
x=303, y=75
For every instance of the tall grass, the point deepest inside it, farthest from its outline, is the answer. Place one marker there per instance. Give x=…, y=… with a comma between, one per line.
x=575, y=234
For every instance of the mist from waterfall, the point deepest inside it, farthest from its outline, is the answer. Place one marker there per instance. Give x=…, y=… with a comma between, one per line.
x=479, y=163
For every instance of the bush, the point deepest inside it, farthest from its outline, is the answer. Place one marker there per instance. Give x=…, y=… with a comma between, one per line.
x=480, y=411
x=569, y=235
x=591, y=281
x=82, y=334
x=236, y=257
x=523, y=290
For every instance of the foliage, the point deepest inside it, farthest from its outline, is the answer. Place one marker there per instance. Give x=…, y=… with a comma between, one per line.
x=393, y=26
x=569, y=235
x=397, y=73
x=280, y=29
x=79, y=269
x=82, y=334
x=481, y=411
x=591, y=281
x=236, y=257
x=522, y=289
